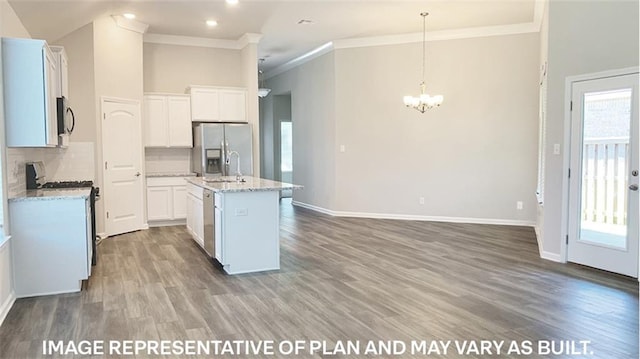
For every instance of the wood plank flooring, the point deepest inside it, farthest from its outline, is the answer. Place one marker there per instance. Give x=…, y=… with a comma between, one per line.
x=340, y=279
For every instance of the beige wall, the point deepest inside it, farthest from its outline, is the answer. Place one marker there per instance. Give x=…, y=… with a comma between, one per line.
x=118, y=73
x=79, y=48
x=312, y=88
x=172, y=68
x=474, y=157
x=249, y=75
x=584, y=37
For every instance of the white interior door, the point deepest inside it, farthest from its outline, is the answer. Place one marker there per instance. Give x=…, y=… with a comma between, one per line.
x=122, y=155
x=603, y=193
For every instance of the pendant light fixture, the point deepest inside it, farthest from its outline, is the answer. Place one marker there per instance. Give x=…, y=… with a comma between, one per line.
x=262, y=91
x=424, y=101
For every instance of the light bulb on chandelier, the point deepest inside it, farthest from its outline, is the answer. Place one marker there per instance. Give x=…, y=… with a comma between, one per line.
x=424, y=101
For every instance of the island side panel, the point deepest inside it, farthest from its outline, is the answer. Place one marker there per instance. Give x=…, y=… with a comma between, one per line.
x=251, y=234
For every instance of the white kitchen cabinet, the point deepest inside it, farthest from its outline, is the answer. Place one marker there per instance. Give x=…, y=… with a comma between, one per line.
x=247, y=231
x=159, y=203
x=51, y=244
x=218, y=104
x=195, y=213
x=29, y=78
x=62, y=73
x=167, y=120
x=179, y=198
x=166, y=201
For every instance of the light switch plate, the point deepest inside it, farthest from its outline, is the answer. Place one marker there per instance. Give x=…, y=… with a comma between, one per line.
x=241, y=212
x=556, y=149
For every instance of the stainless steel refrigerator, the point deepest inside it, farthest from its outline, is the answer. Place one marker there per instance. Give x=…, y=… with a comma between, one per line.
x=214, y=143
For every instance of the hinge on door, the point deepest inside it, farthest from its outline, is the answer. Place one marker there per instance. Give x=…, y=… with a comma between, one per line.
x=569, y=172
x=105, y=165
x=104, y=115
x=571, y=106
x=567, y=237
x=107, y=215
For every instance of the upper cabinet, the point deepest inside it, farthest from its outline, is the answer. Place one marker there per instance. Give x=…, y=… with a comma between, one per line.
x=62, y=78
x=218, y=104
x=30, y=81
x=167, y=120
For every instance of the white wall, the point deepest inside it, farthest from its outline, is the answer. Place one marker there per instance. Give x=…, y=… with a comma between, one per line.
x=172, y=68
x=312, y=88
x=584, y=37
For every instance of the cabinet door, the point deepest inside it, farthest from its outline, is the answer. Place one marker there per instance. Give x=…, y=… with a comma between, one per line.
x=155, y=120
x=179, y=118
x=179, y=202
x=205, y=105
x=199, y=222
x=218, y=235
x=233, y=106
x=190, y=214
x=51, y=76
x=159, y=203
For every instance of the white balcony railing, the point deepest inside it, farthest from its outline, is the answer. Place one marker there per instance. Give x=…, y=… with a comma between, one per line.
x=604, y=181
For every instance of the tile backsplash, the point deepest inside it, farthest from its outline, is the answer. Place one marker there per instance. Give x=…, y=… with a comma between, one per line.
x=74, y=163
x=176, y=160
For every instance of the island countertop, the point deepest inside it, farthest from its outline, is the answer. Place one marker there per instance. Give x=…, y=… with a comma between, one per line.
x=251, y=184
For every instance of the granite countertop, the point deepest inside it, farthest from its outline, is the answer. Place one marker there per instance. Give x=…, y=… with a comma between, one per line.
x=170, y=174
x=251, y=184
x=52, y=194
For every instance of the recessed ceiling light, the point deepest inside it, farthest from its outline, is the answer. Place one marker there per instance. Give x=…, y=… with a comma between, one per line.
x=212, y=23
x=305, y=22
x=129, y=16
x=232, y=2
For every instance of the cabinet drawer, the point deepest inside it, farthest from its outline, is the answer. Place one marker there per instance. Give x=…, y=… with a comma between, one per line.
x=196, y=191
x=166, y=181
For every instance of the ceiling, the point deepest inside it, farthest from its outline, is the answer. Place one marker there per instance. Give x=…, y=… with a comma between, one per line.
x=283, y=39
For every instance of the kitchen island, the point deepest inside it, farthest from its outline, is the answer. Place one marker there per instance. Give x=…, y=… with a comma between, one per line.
x=237, y=222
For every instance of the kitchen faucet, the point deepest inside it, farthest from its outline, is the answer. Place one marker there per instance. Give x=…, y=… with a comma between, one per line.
x=238, y=173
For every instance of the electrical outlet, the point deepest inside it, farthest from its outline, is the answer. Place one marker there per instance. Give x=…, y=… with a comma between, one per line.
x=519, y=205
x=343, y=148
x=421, y=200
x=556, y=149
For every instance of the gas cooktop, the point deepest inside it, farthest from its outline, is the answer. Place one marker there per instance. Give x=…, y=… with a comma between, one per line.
x=68, y=184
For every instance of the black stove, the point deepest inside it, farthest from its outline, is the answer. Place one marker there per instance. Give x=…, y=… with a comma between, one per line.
x=68, y=184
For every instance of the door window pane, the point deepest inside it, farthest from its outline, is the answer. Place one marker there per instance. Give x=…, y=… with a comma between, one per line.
x=605, y=166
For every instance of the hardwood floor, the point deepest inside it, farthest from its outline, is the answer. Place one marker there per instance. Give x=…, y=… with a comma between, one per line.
x=340, y=279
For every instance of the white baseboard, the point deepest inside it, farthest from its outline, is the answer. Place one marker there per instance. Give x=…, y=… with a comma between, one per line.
x=6, y=306
x=554, y=257
x=167, y=223
x=413, y=217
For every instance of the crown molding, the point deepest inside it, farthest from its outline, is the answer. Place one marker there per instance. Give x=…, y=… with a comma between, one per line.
x=249, y=38
x=132, y=25
x=238, y=44
x=456, y=34
x=315, y=53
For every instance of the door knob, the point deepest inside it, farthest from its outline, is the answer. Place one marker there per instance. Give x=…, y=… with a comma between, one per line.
x=138, y=174
x=633, y=187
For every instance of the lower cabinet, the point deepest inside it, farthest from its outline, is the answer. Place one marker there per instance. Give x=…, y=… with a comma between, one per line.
x=195, y=213
x=50, y=244
x=166, y=200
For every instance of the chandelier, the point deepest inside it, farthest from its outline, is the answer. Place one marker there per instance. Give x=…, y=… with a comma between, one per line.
x=424, y=101
x=262, y=91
